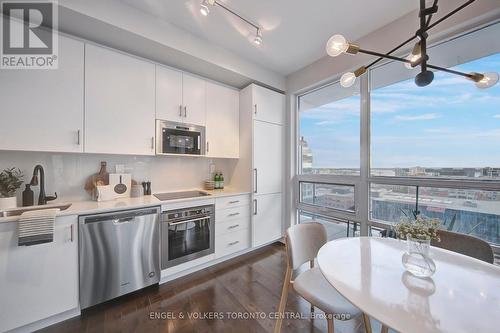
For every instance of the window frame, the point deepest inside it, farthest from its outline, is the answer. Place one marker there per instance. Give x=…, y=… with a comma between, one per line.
x=362, y=183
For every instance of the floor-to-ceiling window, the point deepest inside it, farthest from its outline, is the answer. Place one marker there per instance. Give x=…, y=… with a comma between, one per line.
x=433, y=151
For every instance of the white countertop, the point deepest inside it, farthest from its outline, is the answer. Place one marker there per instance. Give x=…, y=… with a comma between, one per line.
x=95, y=207
x=463, y=295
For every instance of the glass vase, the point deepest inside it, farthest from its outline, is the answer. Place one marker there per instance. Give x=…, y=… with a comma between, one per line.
x=416, y=259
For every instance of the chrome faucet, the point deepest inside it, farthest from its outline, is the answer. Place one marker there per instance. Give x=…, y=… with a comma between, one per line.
x=42, y=198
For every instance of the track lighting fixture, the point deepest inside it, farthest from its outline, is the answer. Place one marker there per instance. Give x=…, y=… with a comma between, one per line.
x=205, y=10
x=338, y=45
x=258, y=37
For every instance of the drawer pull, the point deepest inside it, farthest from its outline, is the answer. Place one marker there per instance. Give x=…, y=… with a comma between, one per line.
x=233, y=226
x=234, y=214
x=234, y=202
x=233, y=243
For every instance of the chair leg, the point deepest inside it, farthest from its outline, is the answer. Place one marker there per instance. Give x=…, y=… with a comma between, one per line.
x=330, y=323
x=284, y=296
x=384, y=329
x=368, y=325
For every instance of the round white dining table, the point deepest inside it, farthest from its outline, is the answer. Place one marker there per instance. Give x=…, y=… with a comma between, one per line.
x=463, y=295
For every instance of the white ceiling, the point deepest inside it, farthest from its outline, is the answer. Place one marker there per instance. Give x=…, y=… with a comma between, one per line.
x=294, y=32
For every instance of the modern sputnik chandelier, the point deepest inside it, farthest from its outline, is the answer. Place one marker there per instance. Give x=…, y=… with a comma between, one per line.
x=337, y=45
x=205, y=10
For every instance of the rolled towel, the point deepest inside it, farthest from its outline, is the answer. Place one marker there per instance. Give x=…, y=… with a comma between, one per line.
x=36, y=227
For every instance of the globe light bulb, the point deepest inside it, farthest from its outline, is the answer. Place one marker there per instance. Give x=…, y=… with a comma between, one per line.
x=204, y=10
x=414, y=58
x=336, y=45
x=348, y=79
x=488, y=80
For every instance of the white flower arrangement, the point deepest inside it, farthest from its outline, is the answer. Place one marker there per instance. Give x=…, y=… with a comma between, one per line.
x=422, y=228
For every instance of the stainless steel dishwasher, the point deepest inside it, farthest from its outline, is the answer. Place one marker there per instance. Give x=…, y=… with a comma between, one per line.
x=119, y=253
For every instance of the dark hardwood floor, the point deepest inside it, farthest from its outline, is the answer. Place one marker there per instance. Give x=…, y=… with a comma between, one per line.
x=230, y=292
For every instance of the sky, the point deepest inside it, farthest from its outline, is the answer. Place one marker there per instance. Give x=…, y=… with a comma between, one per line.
x=450, y=123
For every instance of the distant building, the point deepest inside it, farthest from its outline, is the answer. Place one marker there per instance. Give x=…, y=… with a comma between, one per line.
x=307, y=157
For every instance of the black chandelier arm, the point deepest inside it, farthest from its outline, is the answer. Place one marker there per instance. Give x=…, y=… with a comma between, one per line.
x=453, y=12
x=387, y=56
x=434, y=5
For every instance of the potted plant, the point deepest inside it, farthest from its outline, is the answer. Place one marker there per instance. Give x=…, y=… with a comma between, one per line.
x=418, y=234
x=10, y=182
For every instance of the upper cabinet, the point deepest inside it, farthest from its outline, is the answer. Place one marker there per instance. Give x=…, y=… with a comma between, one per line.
x=119, y=103
x=42, y=110
x=268, y=105
x=222, y=121
x=180, y=97
x=194, y=99
x=169, y=94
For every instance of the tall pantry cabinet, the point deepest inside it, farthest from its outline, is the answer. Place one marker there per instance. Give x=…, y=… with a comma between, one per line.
x=262, y=159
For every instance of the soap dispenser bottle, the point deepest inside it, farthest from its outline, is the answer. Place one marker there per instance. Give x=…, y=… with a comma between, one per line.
x=28, y=196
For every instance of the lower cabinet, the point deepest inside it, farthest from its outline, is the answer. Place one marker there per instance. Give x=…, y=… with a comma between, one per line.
x=232, y=225
x=39, y=281
x=267, y=218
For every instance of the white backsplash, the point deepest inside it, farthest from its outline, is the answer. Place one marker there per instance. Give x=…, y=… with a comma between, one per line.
x=66, y=173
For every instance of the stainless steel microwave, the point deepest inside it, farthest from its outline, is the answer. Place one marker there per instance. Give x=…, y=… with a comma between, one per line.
x=179, y=138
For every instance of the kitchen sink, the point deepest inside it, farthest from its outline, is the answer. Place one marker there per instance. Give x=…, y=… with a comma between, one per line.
x=19, y=211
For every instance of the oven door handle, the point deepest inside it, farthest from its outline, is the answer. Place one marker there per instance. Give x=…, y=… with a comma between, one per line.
x=186, y=221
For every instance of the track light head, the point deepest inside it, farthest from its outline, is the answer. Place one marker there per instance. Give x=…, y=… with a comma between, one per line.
x=258, y=37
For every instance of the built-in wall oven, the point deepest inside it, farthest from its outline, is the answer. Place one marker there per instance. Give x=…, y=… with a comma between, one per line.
x=179, y=138
x=187, y=234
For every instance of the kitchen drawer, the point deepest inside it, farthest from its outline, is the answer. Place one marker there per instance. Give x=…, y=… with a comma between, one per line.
x=232, y=213
x=233, y=201
x=232, y=242
x=234, y=225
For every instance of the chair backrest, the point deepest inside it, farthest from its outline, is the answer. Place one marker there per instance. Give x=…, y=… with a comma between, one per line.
x=465, y=244
x=303, y=242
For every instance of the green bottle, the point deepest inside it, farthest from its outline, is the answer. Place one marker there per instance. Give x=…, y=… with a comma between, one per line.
x=221, y=181
x=217, y=181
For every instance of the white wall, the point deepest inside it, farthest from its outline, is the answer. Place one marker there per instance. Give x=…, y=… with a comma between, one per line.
x=66, y=173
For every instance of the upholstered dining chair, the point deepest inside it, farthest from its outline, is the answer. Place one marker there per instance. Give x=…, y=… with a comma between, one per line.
x=302, y=243
x=465, y=244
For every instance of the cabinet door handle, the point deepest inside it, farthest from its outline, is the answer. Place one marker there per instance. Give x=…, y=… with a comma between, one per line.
x=185, y=111
x=233, y=226
x=78, y=135
x=255, y=180
x=152, y=143
x=233, y=243
x=180, y=110
x=71, y=234
x=234, y=202
x=254, y=206
x=208, y=146
x=234, y=214
x=255, y=109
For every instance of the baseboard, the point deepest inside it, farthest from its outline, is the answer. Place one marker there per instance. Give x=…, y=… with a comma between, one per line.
x=37, y=325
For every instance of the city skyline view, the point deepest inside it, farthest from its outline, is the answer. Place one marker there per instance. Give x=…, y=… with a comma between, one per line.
x=452, y=125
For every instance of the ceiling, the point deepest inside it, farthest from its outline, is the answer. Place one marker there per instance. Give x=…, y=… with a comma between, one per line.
x=294, y=32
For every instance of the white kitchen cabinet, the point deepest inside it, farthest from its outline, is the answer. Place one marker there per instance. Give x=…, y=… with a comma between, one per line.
x=119, y=103
x=267, y=218
x=42, y=110
x=180, y=97
x=268, y=105
x=267, y=158
x=194, y=99
x=39, y=281
x=222, y=121
x=169, y=94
